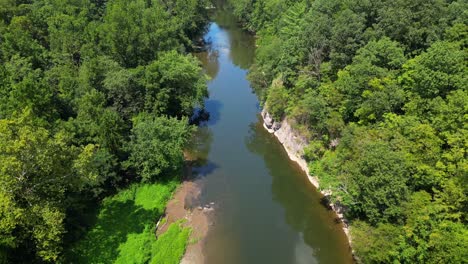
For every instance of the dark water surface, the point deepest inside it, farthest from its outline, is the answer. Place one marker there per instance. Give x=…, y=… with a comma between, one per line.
x=266, y=210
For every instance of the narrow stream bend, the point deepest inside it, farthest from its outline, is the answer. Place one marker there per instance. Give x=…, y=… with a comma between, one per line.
x=266, y=210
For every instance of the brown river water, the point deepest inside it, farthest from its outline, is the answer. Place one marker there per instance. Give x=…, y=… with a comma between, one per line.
x=266, y=211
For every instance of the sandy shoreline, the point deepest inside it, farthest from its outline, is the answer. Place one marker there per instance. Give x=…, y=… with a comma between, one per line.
x=185, y=205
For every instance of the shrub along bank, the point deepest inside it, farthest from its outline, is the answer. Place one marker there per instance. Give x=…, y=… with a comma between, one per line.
x=380, y=90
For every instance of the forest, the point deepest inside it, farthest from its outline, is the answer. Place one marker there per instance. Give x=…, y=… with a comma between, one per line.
x=379, y=88
x=95, y=101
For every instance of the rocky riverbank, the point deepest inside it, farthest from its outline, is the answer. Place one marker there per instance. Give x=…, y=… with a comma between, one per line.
x=294, y=145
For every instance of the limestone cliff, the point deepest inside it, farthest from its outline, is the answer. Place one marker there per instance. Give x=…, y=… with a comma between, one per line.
x=294, y=145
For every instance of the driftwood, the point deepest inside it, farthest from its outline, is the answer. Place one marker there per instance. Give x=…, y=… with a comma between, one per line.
x=158, y=223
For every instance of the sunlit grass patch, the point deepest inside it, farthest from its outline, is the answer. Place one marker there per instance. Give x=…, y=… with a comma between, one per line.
x=124, y=230
x=170, y=246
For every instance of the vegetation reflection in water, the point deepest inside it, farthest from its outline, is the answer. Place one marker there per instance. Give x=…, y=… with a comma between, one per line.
x=267, y=211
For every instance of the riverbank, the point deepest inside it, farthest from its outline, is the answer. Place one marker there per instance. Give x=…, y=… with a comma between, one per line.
x=259, y=195
x=294, y=145
x=185, y=206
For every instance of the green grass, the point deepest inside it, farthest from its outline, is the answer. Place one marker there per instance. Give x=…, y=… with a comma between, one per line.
x=170, y=246
x=124, y=230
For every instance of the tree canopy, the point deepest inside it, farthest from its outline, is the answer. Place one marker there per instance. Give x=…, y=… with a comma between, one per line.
x=380, y=90
x=94, y=95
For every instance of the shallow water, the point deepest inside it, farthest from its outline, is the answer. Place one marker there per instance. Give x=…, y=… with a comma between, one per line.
x=266, y=211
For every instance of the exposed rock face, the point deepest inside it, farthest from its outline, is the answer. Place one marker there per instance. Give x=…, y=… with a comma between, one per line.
x=267, y=120
x=294, y=145
x=269, y=123
x=291, y=141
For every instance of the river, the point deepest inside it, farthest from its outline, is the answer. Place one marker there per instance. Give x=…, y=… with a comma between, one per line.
x=266, y=210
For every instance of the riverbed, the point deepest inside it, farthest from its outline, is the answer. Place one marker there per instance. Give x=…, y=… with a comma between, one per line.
x=264, y=208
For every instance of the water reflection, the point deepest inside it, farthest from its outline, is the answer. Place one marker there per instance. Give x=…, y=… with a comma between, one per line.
x=227, y=38
x=210, y=62
x=199, y=146
x=303, y=210
x=266, y=212
x=241, y=52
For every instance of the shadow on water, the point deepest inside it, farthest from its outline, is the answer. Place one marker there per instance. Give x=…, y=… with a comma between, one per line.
x=214, y=108
x=303, y=205
x=209, y=115
x=200, y=144
x=204, y=168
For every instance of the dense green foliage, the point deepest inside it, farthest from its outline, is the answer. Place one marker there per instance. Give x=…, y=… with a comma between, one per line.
x=380, y=90
x=124, y=229
x=94, y=95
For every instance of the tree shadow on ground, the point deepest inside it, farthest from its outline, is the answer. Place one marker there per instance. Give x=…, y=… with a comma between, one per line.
x=116, y=220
